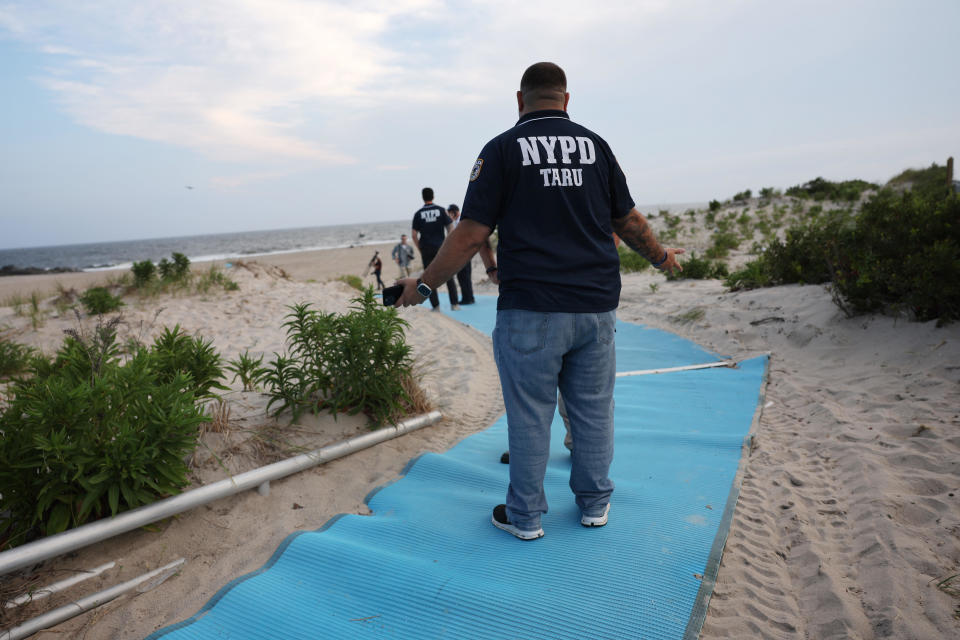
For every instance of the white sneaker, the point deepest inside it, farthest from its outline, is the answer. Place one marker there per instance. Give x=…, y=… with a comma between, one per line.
x=455, y=307
x=596, y=521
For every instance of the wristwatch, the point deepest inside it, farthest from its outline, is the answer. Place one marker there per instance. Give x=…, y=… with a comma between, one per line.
x=423, y=288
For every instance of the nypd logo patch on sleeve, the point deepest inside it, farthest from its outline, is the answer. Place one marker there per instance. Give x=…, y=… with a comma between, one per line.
x=475, y=172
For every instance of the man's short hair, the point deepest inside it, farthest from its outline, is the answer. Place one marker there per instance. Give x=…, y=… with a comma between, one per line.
x=427, y=194
x=453, y=207
x=543, y=81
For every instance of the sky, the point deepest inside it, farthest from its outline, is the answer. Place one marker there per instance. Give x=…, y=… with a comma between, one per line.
x=127, y=120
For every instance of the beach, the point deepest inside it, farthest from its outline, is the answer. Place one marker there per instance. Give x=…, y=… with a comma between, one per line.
x=848, y=514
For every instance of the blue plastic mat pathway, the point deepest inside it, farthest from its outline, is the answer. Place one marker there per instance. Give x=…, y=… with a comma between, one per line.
x=428, y=563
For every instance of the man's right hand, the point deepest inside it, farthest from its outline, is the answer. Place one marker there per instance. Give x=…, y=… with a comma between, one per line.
x=410, y=296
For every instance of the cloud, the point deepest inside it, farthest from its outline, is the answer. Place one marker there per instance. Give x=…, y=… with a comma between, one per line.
x=233, y=79
x=250, y=79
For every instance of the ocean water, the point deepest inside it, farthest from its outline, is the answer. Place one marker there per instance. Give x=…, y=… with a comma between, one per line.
x=121, y=255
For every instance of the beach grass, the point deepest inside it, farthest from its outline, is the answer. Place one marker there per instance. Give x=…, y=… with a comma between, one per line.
x=690, y=316
x=15, y=302
x=352, y=280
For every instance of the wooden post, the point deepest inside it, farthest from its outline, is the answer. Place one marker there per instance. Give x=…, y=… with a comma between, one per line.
x=950, y=173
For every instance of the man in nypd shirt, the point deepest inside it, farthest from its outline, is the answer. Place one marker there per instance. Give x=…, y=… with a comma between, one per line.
x=430, y=223
x=556, y=193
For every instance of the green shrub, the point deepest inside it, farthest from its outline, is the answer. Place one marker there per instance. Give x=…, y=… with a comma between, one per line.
x=765, y=227
x=806, y=254
x=929, y=182
x=809, y=249
x=87, y=436
x=715, y=205
x=14, y=357
x=723, y=243
x=248, y=370
x=901, y=251
x=631, y=261
x=356, y=362
x=743, y=195
x=176, y=271
x=176, y=353
x=904, y=253
x=181, y=266
x=753, y=275
x=97, y=300
x=820, y=189
x=768, y=193
x=695, y=268
x=143, y=273
x=165, y=269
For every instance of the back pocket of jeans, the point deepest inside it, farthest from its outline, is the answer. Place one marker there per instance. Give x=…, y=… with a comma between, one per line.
x=527, y=331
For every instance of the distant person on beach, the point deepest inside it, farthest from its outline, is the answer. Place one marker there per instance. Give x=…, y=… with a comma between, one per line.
x=403, y=254
x=464, y=275
x=377, y=265
x=555, y=193
x=430, y=226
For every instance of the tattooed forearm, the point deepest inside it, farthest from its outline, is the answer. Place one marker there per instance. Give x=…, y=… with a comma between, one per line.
x=634, y=229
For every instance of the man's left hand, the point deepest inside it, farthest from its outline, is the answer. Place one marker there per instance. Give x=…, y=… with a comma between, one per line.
x=671, y=265
x=410, y=297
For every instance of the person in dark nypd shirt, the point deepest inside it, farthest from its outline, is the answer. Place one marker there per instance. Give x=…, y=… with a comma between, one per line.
x=556, y=193
x=430, y=223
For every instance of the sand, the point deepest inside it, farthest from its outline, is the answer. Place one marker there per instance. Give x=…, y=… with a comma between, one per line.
x=849, y=512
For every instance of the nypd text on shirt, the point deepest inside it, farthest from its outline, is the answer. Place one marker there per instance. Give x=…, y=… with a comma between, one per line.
x=558, y=150
x=429, y=215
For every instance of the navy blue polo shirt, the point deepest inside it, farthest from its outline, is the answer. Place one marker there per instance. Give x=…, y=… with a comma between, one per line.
x=430, y=220
x=552, y=188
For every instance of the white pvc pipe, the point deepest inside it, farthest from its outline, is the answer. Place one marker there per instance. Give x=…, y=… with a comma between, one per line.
x=689, y=367
x=33, y=552
x=77, y=607
x=39, y=594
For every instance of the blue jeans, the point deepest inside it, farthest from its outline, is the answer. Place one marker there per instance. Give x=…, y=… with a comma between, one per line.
x=537, y=354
